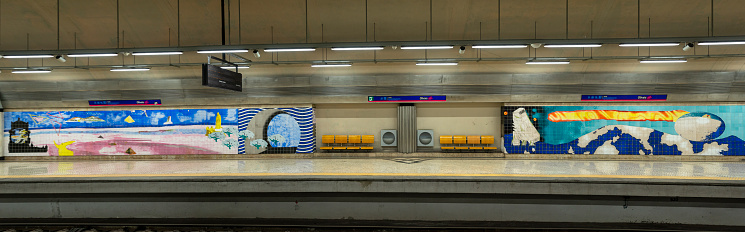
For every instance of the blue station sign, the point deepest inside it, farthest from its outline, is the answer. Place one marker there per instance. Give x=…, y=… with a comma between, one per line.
x=624, y=98
x=440, y=98
x=155, y=102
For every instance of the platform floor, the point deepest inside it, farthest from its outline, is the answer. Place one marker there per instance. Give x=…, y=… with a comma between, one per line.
x=380, y=168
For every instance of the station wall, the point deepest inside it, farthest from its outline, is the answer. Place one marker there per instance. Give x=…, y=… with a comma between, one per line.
x=626, y=130
x=459, y=119
x=356, y=119
x=159, y=132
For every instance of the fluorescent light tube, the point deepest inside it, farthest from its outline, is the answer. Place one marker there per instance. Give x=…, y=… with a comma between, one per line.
x=722, y=43
x=547, y=62
x=329, y=65
x=27, y=56
x=93, y=55
x=442, y=63
x=500, y=46
x=661, y=61
x=648, y=44
x=231, y=67
x=156, y=53
x=425, y=47
x=357, y=49
x=572, y=45
x=224, y=51
x=289, y=49
x=129, y=69
x=31, y=71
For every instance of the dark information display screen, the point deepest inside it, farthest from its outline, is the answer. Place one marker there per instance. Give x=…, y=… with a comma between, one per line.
x=624, y=98
x=214, y=76
x=405, y=98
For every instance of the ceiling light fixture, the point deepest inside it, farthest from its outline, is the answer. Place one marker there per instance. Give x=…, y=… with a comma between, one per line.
x=547, y=62
x=572, y=45
x=426, y=47
x=659, y=61
x=358, y=48
x=441, y=63
x=500, y=46
x=329, y=65
x=27, y=56
x=223, y=51
x=722, y=43
x=156, y=53
x=289, y=49
x=649, y=44
x=129, y=69
x=32, y=71
x=93, y=55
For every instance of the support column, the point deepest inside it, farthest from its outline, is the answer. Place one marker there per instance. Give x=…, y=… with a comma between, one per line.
x=406, y=128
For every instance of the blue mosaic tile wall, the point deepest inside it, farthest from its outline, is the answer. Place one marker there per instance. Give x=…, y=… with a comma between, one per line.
x=624, y=130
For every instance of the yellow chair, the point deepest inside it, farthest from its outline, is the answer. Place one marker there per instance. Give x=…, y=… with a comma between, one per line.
x=446, y=139
x=341, y=140
x=488, y=140
x=326, y=140
x=459, y=140
x=367, y=140
x=355, y=141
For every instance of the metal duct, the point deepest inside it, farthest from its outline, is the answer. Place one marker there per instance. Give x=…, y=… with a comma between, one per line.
x=407, y=128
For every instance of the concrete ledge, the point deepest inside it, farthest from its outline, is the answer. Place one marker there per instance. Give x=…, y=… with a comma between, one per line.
x=385, y=155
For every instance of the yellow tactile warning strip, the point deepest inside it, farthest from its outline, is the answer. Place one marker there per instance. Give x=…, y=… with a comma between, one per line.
x=377, y=174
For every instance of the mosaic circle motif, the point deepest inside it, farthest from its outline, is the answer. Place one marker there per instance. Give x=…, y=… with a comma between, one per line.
x=699, y=126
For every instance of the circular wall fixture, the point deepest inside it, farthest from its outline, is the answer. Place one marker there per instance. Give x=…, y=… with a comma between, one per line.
x=389, y=137
x=425, y=138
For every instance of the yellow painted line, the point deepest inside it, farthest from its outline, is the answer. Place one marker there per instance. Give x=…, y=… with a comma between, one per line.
x=373, y=174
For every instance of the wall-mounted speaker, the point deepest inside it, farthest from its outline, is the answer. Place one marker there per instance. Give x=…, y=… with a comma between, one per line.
x=388, y=138
x=425, y=138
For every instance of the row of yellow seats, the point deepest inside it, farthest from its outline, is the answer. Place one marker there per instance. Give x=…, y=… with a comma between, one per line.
x=347, y=142
x=465, y=141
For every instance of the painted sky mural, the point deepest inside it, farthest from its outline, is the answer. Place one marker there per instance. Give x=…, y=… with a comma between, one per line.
x=625, y=130
x=155, y=132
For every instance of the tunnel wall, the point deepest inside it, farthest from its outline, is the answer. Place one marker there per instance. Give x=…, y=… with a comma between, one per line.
x=624, y=129
x=153, y=131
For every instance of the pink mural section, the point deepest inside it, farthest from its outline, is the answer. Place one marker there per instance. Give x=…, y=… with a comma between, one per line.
x=136, y=132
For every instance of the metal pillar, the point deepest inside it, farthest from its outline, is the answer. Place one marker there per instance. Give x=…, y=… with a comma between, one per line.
x=407, y=128
x=2, y=128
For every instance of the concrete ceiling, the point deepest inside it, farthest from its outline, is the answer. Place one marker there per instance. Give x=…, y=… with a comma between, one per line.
x=67, y=25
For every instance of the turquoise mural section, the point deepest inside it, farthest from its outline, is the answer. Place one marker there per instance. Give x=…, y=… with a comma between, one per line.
x=625, y=130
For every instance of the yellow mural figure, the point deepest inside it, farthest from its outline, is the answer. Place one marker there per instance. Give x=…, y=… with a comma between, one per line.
x=129, y=119
x=62, y=148
x=218, y=126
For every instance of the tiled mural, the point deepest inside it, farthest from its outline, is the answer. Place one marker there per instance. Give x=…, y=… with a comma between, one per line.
x=159, y=132
x=624, y=130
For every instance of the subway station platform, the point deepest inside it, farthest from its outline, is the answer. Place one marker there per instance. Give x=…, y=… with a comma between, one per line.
x=401, y=192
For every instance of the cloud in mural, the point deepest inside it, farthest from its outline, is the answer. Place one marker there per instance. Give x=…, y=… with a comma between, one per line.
x=231, y=115
x=155, y=117
x=202, y=115
x=277, y=139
